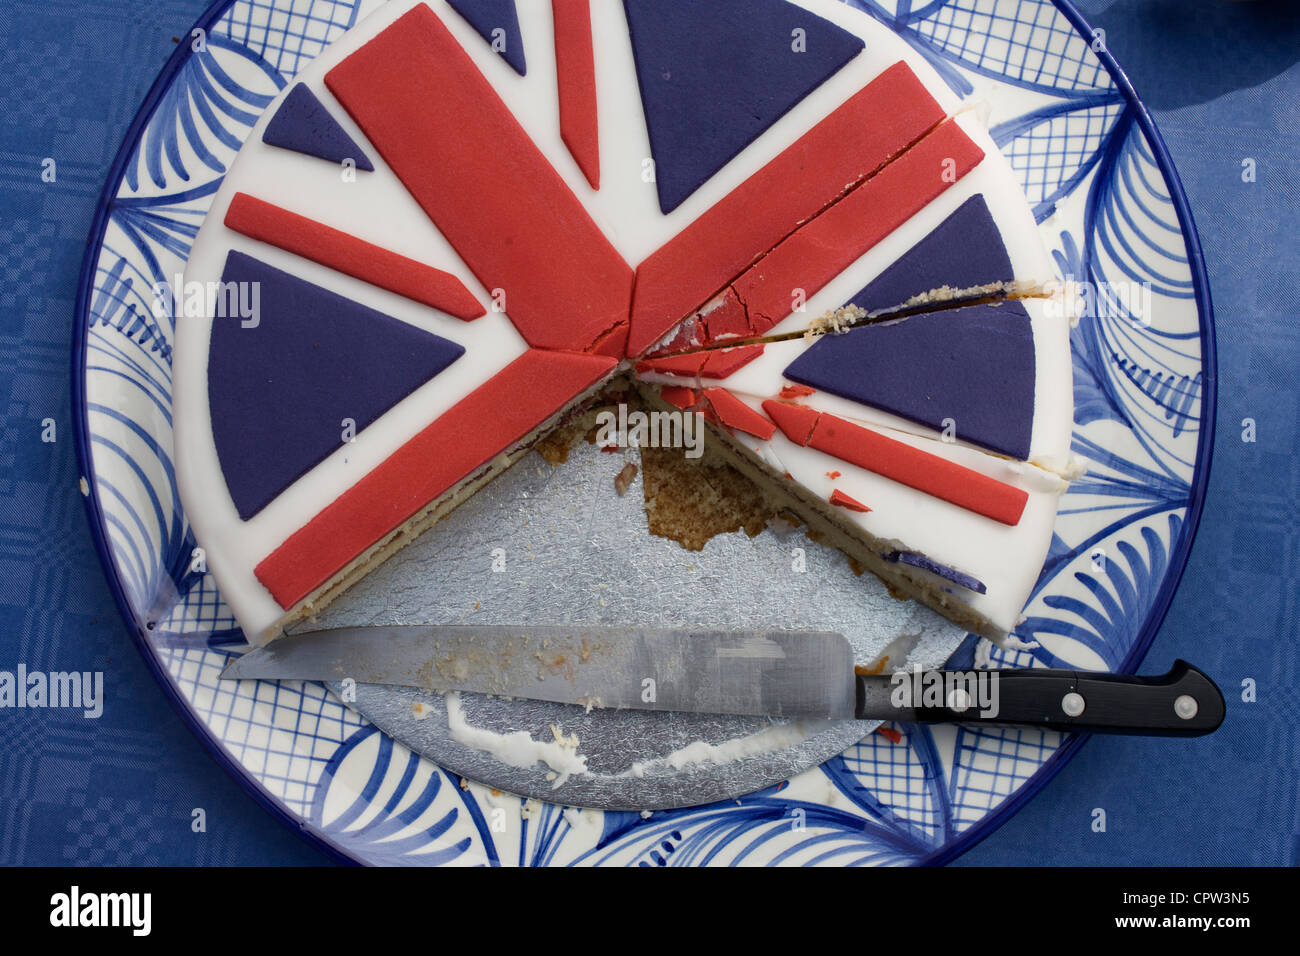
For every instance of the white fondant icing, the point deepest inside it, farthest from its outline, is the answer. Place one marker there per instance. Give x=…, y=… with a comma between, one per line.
x=627, y=205
x=993, y=179
x=1007, y=559
x=375, y=206
x=1031, y=263
x=518, y=748
x=1053, y=393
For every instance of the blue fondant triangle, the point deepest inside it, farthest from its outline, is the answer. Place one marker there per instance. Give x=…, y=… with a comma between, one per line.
x=496, y=21
x=973, y=365
x=714, y=75
x=281, y=389
x=963, y=251
x=304, y=125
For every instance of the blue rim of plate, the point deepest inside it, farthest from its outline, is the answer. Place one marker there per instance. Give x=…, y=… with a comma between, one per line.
x=1204, y=451
x=967, y=838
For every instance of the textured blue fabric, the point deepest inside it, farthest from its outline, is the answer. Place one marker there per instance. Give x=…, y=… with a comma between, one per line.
x=120, y=790
x=1223, y=86
x=1222, y=82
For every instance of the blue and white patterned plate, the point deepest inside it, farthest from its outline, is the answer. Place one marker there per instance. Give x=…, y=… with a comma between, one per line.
x=1110, y=207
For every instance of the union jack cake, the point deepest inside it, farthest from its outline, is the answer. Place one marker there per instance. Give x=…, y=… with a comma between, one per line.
x=467, y=218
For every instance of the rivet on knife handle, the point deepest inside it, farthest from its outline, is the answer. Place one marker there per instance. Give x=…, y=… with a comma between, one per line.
x=1182, y=703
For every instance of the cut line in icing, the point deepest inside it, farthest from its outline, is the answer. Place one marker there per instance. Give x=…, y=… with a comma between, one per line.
x=969, y=372
x=826, y=245
x=858, y=138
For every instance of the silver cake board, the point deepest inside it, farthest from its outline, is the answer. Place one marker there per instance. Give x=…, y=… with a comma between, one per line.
x=547, y=544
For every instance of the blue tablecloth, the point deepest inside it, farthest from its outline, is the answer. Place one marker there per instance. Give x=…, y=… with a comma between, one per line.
x=1222, y=81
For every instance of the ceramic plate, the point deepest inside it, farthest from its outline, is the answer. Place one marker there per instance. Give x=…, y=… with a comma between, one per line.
x=1110, y=208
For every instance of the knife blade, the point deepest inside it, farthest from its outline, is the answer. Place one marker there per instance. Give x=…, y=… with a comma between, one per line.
x=781, y=673
x=794, y=673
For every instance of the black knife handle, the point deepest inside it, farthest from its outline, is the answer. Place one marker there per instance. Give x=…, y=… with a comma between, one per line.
x=1067, y=700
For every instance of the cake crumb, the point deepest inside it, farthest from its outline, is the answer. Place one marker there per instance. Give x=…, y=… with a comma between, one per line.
x=876, y=667
x=623, y=480
x=836, y=320
x=898, y=594
x=692, y=501
x=420, y=710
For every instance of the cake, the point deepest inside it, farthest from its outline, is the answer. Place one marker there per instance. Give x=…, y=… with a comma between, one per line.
x=467, y=219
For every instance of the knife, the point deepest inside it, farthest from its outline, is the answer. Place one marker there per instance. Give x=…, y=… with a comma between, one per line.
x=795, y=674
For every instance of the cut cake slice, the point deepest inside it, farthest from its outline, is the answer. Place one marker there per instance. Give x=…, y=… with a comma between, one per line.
x=502, y=222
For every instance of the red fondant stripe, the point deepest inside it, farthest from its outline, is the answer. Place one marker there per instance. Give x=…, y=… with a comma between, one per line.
x=678, y=395
x=897, y=461
x=734, y=413
x=866, y=131
x=458, y=150
x=795, y=421
x=726, y=319
x=688, y=335
x=826, y=245
x=724, y=362
x=847, y=501
x=489, y=421
x=318, y=242
x=823, y=248
x=687, y=366
x=613, y=343
x=797, y=391
x=716, y=364
x=575, y=67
